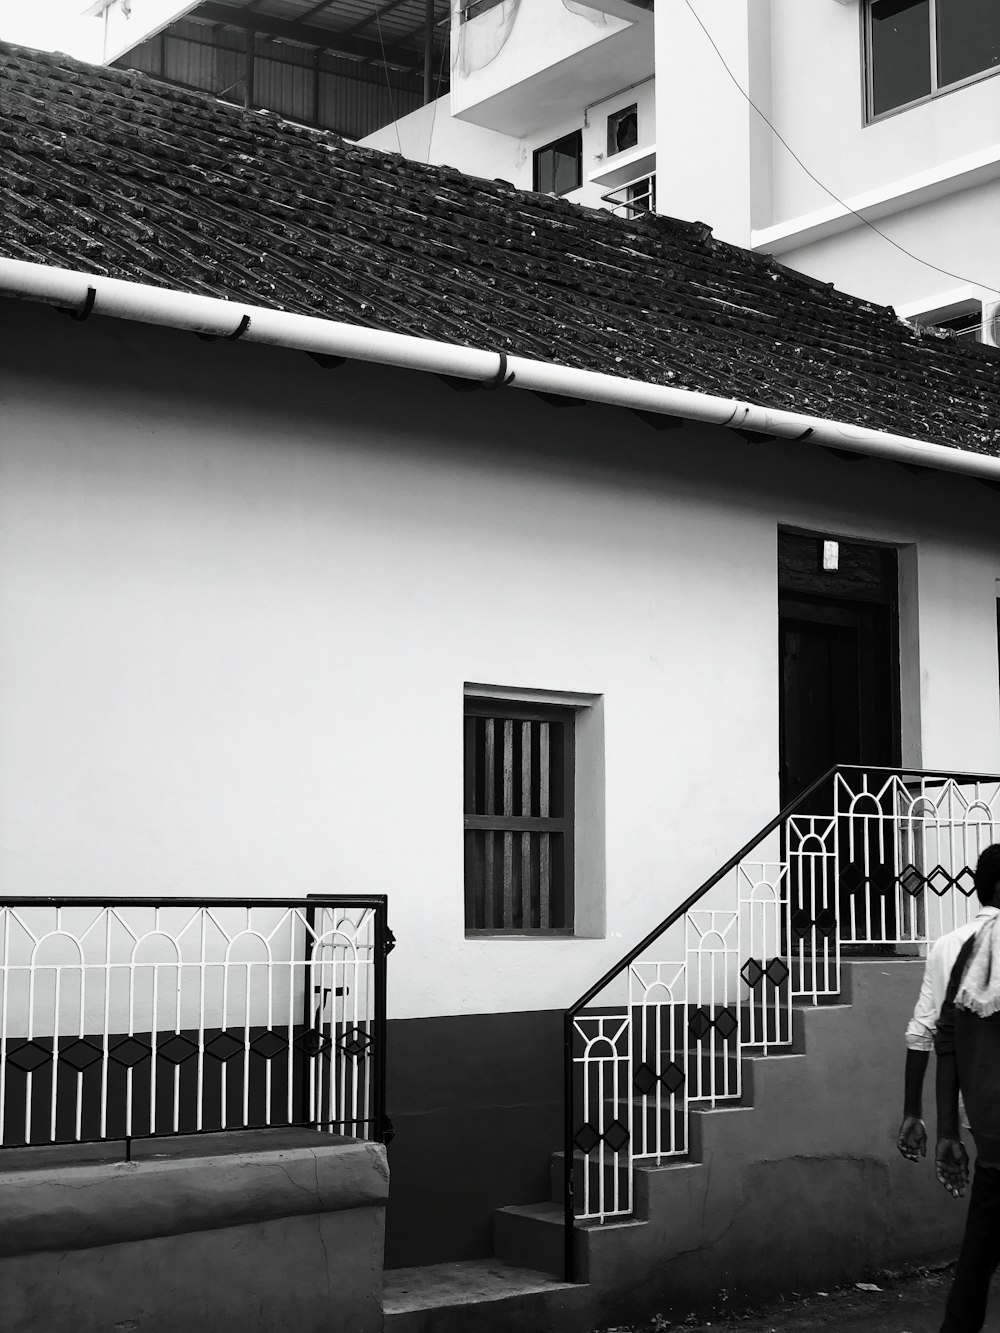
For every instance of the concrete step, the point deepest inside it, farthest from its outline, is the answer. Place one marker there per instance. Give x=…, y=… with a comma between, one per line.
x=485, y=1295
x=530, y=1235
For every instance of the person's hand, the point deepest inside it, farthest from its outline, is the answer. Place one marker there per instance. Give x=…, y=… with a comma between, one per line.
x=951, y=1164
x=912, y=1140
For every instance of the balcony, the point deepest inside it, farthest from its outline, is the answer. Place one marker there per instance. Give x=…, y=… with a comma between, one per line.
x=524, y=68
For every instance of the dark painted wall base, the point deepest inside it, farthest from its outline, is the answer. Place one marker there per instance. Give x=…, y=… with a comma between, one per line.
x=476, y=1103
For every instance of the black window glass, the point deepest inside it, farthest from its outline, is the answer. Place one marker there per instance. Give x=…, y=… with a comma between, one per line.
x=900, y=52
x=968, y=34
x=623, y=130
x=558, y=165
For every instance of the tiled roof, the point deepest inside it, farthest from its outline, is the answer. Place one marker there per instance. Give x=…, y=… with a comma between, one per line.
x=110, y=172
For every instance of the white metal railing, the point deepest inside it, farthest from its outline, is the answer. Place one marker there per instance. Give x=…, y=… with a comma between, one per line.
x=889, y=862
x=633, y=198
x=133, y=1018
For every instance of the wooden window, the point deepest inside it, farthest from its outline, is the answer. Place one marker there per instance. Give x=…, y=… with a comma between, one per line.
x=519, y=779
x=558, y=167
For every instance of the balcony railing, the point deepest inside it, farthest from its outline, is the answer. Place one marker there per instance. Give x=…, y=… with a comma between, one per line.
x=633, y=198
x=865, y=860
x=128, y=1018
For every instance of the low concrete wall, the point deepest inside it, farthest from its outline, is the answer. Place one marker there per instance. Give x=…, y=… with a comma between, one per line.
x=253, y=1232
x=800, y=1188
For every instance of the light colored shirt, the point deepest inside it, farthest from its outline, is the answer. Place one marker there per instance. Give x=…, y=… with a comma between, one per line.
x=940, y=960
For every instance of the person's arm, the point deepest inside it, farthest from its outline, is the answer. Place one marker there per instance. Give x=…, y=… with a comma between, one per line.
x=912, y=1138
x=951, y=1161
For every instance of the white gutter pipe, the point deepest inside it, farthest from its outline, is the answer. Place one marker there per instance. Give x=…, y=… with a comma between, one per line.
x=308, y=333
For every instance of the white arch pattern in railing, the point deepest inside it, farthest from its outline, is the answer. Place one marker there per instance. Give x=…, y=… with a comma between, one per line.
x=888, y=866
x=187, y=1016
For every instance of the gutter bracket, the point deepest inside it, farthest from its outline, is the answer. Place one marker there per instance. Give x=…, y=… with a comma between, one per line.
x=85, y=310
x=236, y=334
x=499, y=381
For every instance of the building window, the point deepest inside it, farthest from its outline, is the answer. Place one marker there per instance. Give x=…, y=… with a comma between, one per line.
x=963, y=319
x=473, y=8
x=519, y=788
x=623, y=129
x=918, y=48
x=559, y=165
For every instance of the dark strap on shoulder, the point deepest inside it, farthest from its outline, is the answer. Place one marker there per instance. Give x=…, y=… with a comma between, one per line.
x=958, y=971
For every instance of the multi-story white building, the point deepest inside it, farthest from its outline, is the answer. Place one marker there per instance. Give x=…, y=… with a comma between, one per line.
x=856, y=140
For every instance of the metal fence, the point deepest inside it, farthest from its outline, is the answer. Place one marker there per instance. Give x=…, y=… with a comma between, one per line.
x=865, y=861
x=131, y=1018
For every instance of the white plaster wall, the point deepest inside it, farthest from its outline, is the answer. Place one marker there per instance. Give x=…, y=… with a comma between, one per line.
x=957, y=234
x=432, y=134
x=239, y=599
x=543, y=34
x=818, y=105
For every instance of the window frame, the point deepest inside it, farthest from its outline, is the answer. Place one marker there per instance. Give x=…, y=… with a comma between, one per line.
x=937, y=89
x=508, y=823
x=615, y=119
x=577, y=136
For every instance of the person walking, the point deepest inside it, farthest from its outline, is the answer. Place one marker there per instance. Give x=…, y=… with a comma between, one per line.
x=912, y=1137
x=967, y=1044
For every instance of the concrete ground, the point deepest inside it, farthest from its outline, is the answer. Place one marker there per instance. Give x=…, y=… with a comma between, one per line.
x=904, y=1303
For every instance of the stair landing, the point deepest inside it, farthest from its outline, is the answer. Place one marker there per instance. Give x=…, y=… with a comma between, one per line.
x=485, y=1295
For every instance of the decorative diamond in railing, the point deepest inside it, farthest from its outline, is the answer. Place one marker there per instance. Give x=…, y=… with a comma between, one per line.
x=616, y=1136
x=80, y=1055
x=312, y=1043
x=751, y=972
x=354, y=1042
x=177, y=1049
x=911, y=881
x=587, y=1139
x=852, y=877
x=826, y=922
x=777, y=971
x=700, y=1023
x=802, y=922
x=939, y=881
x=726, y=1024
x=965, y=881
x=269, y=1044
x=672, y=1078
x=29, y=1057
x=129, y=1052
x=645, y=1079
x=223, y=1047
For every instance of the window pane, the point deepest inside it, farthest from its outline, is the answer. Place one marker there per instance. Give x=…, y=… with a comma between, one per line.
x=900, y=52
x=558, y=165
x=968, y=38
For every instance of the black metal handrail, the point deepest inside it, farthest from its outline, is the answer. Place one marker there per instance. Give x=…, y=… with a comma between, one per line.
x=624, y=962
x=369, y=1039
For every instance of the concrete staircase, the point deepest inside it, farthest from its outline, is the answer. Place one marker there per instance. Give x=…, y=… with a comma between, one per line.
x=797, y=1185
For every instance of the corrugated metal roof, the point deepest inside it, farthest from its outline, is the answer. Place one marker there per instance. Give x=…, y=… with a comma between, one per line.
x=354, y=94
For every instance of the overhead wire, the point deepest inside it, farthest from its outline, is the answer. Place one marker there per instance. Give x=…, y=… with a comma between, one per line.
x=825, y=188
x=445, y=47
x=388, y=83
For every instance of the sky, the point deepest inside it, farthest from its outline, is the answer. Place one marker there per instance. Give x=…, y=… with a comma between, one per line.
x=52, y=25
